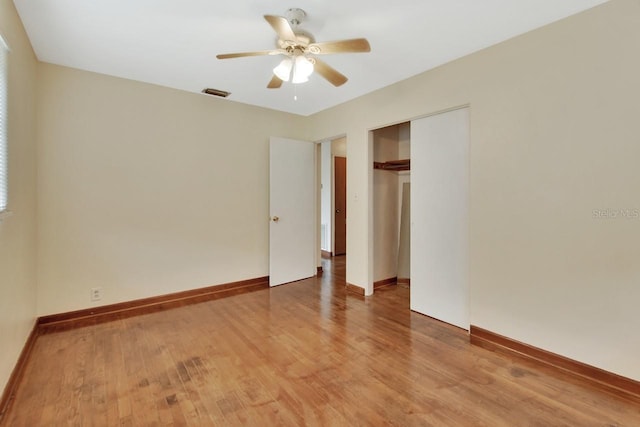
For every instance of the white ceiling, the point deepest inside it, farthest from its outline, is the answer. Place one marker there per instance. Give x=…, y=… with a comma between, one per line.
x=174, y=42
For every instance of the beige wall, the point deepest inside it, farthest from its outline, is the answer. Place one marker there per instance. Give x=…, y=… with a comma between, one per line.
x=146, y=190
x=18, y=231
x=554, y=136
x=339, y=147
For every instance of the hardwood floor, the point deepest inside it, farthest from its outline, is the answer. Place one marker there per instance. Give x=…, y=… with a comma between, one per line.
x=305, y=353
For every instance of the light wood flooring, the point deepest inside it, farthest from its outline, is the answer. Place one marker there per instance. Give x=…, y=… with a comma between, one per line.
x=305, y=353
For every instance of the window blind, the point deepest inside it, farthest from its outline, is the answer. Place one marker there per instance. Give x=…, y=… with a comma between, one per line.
x=3, y=126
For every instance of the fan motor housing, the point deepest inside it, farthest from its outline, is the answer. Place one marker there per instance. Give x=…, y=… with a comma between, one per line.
x=303, y=39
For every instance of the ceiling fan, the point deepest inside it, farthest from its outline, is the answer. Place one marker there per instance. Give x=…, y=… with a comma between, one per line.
x=300, y=49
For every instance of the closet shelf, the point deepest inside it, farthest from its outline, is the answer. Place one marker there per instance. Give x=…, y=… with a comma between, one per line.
x=393, y=165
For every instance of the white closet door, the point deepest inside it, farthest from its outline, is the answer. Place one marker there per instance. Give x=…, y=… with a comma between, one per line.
x=439, y=216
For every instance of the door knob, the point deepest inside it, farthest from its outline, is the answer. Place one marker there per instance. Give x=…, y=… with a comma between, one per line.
x=337, y=210
x=275, y=219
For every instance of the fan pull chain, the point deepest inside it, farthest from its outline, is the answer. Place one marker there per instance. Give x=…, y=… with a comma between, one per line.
x=295, y=92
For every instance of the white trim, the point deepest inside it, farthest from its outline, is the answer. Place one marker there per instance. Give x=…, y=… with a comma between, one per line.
x=4, y=117
x=4, y=41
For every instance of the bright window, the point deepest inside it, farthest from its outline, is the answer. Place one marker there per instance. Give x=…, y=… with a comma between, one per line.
x=4, y=51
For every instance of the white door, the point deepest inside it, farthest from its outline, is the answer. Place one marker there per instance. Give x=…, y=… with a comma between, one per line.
x=292, y=200
x=439, y=216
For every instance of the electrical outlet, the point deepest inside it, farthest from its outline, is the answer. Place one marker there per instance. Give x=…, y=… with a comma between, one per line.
x=96, y=294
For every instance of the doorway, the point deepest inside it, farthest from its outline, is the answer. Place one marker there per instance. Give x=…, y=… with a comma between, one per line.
x=340, y=203
x=391, y=183
x=333, y=198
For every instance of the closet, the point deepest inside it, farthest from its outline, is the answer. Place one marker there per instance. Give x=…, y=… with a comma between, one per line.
x=391, y=196
x=421, y=212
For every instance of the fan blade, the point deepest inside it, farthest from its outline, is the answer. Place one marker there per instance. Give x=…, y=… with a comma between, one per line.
x=256, y=53
x=281, y=27
x=275, y=82
x=340, y=46
x=329, y=73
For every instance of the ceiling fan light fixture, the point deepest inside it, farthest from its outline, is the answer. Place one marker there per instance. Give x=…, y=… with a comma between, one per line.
x=283, y=70
x=299, y=48
x=304, y=67
x=299, y=78
x=297, y=69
